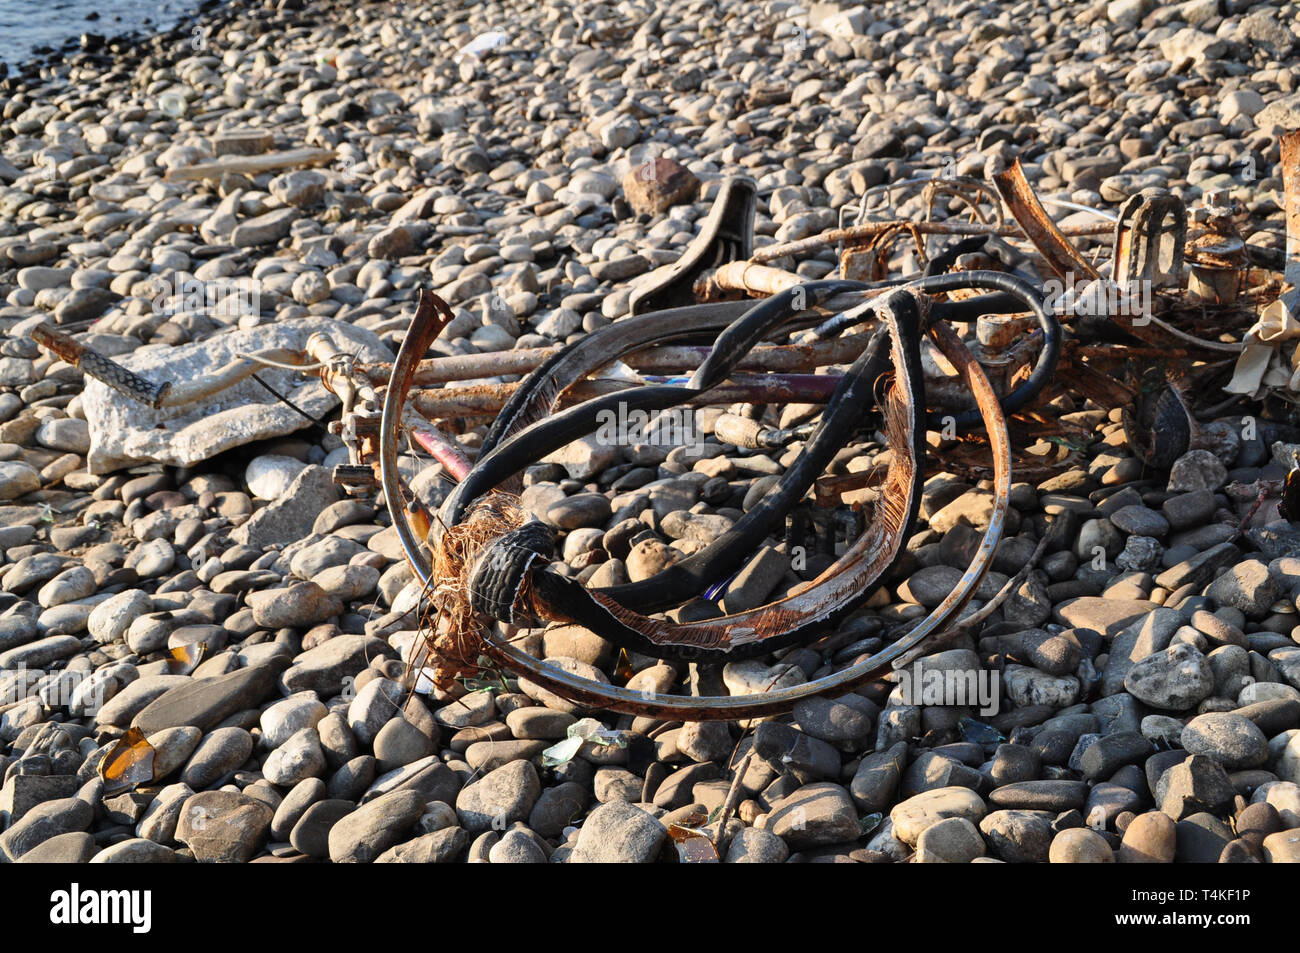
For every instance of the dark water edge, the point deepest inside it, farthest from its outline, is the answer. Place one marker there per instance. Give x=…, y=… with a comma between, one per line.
x=35, y=33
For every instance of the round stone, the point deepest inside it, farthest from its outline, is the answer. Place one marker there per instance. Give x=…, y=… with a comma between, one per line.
x=1080, y=845
x=1230, y=739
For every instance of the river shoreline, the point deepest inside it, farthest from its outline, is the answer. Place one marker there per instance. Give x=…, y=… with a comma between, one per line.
x=103, y=36
x=175, y=200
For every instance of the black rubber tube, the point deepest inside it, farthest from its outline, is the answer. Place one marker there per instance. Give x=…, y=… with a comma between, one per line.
x=1033, y=299
x=704, y=318
x=546, y=436
x=840, y=419
x=853, y=398
x=577, y=602
x=1012, y=294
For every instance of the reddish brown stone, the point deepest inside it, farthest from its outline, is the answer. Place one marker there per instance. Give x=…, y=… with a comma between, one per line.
x=656, y=185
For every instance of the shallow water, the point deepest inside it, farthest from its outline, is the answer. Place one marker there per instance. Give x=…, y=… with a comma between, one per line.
x=26, y=24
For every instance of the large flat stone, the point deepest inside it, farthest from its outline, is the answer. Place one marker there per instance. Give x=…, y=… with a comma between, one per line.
x=1107, y=616
x=40, y=653
x=325, y=668
x=292, y=515
x=130, y=701
x=22, y=792
x=205, y=702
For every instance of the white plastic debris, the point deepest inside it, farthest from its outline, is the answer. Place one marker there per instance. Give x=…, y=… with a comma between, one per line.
x=482, y=43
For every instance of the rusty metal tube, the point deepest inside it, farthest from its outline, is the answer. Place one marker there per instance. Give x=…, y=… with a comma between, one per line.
x=862, y=233
x=1290, y=144
x=1042, y=232
x=668, y=359
x=442, y=448
x=486, y=399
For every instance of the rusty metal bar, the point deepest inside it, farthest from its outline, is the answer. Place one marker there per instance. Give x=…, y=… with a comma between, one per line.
x=861, y=233
x=1029, y=213
x=1000, y=443
x=792, y=358
x=485, y=399
x=1291, y=186
x=754, y=278
x=442, y=448
x=96, y=365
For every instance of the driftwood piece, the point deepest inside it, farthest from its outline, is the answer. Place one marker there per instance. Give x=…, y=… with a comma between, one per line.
x=249, y=165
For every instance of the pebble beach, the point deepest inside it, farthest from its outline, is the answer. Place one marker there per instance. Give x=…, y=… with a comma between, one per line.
x=1143, y=682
